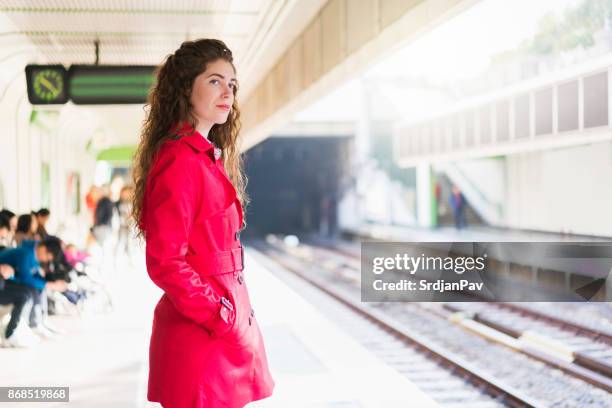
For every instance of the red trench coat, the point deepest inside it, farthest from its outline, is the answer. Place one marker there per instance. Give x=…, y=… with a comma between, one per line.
x=206, y=347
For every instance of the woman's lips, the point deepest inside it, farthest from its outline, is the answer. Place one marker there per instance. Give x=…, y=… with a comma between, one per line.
x=224, y=107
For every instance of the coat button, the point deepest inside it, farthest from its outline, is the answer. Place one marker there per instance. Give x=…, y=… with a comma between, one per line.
x=228, y=305
x=237, y=235
x=240, y=278
x=252, y=313
x=250, y=320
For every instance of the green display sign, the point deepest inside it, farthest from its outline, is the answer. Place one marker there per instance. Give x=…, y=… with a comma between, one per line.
x=89, y=84
x=47, y=84
x=94, y=84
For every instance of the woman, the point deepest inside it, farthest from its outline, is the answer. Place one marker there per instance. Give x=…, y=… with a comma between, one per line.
x=124, y=210
x=26, y=229
x=42, y=217
x=206, y=348
x=9, y=240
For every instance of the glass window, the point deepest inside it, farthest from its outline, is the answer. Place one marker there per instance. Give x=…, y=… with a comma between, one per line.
x=415, y=138
x=456, y=131
x=485, y=125
x=470, y=137
x=426, y=138
x=502, y=120
x=521, y=116
x=596, y=100
x=446, y=134
x=567, y=106
x=436, y=136
x=543, y=112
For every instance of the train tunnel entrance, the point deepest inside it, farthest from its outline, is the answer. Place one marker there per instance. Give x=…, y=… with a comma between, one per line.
x=295, y=184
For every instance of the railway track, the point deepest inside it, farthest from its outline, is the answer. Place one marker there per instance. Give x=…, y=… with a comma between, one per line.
x=381, y=316
x=447, y=379
x=567, y=341
x=579, y=349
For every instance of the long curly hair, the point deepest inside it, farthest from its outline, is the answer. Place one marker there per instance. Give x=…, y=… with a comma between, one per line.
x=168, y=104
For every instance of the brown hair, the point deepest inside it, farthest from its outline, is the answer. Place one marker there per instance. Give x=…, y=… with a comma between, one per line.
x=168, y=104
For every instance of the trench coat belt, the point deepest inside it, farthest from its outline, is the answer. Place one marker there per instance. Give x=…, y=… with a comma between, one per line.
x=216, y=263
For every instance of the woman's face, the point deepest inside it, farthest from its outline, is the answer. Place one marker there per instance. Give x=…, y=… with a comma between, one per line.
x=42, y=220
x=212, y=94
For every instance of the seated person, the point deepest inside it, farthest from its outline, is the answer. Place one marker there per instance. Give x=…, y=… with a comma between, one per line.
x=5, y=232
x=12, y=217
x=9, y=215
x=77, y=258
x=42, y=216
x=26, y=261
x=61, y=269
x=26, y=228
x=21, y=300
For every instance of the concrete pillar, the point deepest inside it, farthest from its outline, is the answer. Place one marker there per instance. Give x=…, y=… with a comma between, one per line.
x=425, y=196
x=363, y=132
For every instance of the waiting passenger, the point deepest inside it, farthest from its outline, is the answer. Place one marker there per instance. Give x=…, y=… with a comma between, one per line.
x=26, y=229
x=457, y=203
x=5, y=232
x=15, y=335
x=26, y=261
x=74, y=256
x=61, y=270
x=103, y=217
x=12, y=217
x=200, y=354
x=103, y=229
x=42, y=217
x=124, y=211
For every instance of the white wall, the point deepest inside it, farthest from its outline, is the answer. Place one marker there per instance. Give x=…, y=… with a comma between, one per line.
x=564, y=190
x=23, y=147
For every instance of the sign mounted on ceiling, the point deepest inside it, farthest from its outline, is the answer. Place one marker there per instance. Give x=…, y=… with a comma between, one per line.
x=47, y=84
x=89, y=84
x=106, y=84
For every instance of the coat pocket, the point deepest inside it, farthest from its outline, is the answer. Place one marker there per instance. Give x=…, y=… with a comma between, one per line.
x=238, y=336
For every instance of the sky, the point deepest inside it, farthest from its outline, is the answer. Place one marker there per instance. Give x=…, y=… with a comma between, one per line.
x=458, y=49
x=462, y=47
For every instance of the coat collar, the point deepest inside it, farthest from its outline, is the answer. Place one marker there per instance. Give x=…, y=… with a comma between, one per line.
x=199, y=143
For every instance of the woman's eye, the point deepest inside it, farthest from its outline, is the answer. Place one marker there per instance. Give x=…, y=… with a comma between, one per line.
x=232, y=85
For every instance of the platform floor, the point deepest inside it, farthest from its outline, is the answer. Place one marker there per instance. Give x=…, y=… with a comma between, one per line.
x=103, y=358
x=469, y=234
